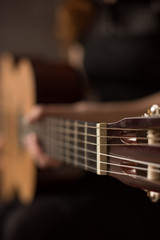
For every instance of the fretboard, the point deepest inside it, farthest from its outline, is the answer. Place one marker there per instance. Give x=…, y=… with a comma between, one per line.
x=82, y=144
x=121, y=149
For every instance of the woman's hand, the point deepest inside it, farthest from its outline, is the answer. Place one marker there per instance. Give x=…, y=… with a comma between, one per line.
x=32, y=143
x=41, y=159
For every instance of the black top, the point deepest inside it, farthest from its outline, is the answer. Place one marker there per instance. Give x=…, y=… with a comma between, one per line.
x=122, y=50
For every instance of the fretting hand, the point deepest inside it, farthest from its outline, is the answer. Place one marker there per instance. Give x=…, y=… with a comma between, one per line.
x=32, y=143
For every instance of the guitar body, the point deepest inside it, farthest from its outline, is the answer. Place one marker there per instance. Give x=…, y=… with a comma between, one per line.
x=23, y=83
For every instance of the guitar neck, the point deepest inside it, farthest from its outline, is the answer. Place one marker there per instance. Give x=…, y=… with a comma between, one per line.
x=79, y=143
x=127, y=150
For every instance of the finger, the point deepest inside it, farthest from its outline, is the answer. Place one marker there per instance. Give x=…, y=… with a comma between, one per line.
x=34, y=114
x=32, y=145
x=40, y=157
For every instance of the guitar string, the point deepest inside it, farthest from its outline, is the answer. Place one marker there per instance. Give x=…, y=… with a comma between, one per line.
x=60, y=122
x=108, y=171
x=105, y=144
x=102, y=136
x=69, y=130
x=62, y=129
x=113, y=164
x=60, y=134
x=120, y=165
x=64, y=134
x=113, y=172
x=71, y=147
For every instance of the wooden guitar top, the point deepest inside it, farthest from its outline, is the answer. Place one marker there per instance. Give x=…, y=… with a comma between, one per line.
x=17, y=93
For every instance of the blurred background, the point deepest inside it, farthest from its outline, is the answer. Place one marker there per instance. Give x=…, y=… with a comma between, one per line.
x=27, y=27
x=115, y=44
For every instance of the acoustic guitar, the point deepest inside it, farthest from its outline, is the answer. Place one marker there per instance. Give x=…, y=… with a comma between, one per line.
x=23, y=83
x=128, y=149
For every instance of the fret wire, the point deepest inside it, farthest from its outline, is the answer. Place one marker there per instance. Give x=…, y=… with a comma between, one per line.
x=60, y=136
x=75, y=142
x=81, y=128
x=85, y=145
x=66, y=133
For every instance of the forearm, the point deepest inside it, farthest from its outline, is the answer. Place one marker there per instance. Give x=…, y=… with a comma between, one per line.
x=101, y=111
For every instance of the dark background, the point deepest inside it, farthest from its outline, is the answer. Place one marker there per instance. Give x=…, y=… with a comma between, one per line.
x=27, y=27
